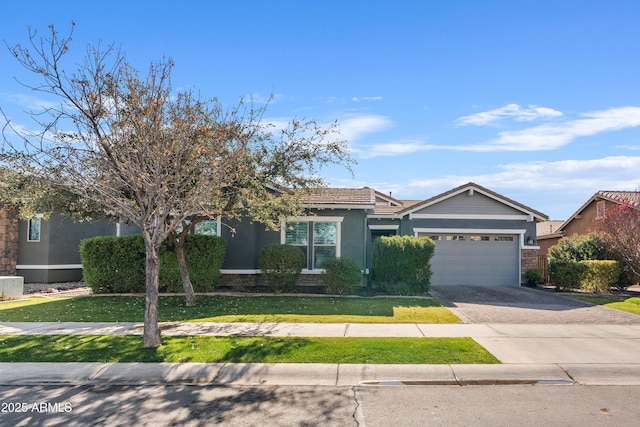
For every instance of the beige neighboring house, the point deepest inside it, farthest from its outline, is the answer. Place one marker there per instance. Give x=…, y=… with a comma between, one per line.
x=584, y=220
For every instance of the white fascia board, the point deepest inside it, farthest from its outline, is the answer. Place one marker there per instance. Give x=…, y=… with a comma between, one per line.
x=384, y=227
x=49, y=267
x=315, y=218
x=466, y=216
x=338, y=206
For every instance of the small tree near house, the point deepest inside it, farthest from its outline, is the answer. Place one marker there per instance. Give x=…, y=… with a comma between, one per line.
x=620, y=226
x=129, y=147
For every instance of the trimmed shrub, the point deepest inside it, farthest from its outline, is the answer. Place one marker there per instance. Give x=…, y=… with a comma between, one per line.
x=566, y=275
x=204, y=255
x=281, y=266
x=600, y=276
x=113, y=264
x=403, y=259
x=117, y=264
x=341, y=275
x=534, y=277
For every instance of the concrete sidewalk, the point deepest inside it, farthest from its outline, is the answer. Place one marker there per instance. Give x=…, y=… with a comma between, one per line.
x=557, y=354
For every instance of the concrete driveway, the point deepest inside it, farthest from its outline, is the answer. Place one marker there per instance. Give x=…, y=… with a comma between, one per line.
x=504, y=304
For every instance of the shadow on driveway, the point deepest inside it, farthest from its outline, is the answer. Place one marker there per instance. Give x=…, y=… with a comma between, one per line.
x=510, y=304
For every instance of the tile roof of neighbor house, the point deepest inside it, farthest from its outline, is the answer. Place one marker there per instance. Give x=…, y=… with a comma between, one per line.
x=630, y=197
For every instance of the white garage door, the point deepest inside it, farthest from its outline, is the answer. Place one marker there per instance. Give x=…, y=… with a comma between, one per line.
x=475, y=259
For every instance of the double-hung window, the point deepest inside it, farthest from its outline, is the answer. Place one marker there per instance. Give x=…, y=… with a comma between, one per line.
x=317, y=237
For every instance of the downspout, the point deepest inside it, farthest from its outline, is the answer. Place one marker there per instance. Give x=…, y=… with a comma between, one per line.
x=366, y=244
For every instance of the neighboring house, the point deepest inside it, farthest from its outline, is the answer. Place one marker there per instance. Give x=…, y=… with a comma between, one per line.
x=481, y=237
x=584, y=220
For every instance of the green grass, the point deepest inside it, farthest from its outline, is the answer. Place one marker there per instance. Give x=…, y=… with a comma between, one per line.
x=79, y=348
x=630, y=305
x=230, y=309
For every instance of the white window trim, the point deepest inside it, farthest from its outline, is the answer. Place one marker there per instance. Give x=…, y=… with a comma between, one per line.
x=384, y=227
x=312, y=219
x=39, y=218
x=471, y=216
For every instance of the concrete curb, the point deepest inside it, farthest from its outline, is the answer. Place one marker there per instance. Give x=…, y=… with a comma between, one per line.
x=331, y=375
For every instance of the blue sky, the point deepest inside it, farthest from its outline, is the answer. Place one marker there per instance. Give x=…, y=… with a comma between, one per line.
x=536, y=100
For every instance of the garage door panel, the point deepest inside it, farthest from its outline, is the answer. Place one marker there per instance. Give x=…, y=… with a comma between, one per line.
x=468, y=262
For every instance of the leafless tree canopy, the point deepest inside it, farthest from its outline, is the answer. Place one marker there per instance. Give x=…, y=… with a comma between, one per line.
x=128, y=146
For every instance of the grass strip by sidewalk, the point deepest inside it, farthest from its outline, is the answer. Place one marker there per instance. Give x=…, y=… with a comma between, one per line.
x=112, y=348
x=222, y=308
x=630, y=305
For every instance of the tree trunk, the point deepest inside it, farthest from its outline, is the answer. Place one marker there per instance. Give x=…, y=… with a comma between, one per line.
x=189, y=295
x=151, y=334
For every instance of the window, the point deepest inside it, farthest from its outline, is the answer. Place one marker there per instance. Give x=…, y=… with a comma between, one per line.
x=479, y=238
x=318, y=238
x=435, y=238
x=503, y=239
x=600, y=209
x=297, y=234
x=33, y=232
x=455, y=238
x=208, y=228
x=325, y=240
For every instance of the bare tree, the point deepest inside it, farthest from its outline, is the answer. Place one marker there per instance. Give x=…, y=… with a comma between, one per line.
x=621, y=228
x=136, y=150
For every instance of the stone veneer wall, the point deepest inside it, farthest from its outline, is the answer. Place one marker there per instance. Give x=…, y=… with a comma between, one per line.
x=9, y=233
x=528, y=260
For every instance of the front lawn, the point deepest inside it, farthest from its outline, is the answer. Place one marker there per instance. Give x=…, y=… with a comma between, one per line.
x=630, y=305
x=220, y=308
x=110, y=348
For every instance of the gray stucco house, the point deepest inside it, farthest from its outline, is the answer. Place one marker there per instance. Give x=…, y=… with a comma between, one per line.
x=481, y=237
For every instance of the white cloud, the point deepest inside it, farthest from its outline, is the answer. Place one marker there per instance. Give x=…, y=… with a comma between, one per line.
x=30, y=102
x=608, y=173
x=530, y=113
x=366, y=98
x=629, y=147
x=353, y=127
x=398, y=148
x=556, y=135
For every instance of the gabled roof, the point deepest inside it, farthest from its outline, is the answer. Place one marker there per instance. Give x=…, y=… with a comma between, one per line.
x=630, y=197
x=480, y=189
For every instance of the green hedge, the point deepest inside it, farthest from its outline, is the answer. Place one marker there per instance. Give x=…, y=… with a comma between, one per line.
x=117, y=264
x=591, y=275
x=600, y=276
x=403, y=260
x=591, y=247
x=565, y=275
x=341, y=275
x=281, y=265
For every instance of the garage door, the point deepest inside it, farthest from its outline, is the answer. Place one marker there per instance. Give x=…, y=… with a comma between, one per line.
x=475, y=260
